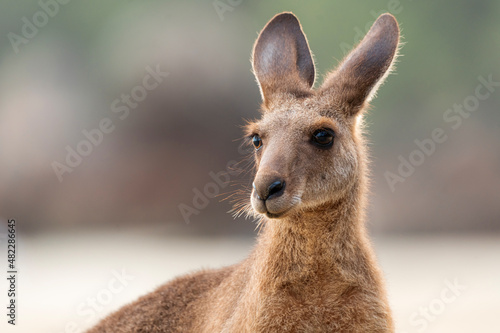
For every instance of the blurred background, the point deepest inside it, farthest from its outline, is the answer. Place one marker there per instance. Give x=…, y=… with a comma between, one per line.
x=119, y=122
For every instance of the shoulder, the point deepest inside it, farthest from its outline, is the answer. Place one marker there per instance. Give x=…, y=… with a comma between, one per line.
x=170, y=308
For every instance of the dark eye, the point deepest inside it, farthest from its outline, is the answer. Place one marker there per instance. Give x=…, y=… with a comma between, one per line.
x=257, y=141
x=323, y=138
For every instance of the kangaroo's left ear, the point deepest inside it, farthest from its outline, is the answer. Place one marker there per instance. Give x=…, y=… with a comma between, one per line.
x=363, y=70
x=281, y=58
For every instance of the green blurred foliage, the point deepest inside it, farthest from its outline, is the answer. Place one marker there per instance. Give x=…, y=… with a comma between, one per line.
x=446, y=44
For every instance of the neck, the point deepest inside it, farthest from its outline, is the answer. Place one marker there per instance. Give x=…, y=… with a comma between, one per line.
x=329, y=241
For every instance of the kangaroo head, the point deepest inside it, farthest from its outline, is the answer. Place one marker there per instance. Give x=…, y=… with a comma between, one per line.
x=308, y=146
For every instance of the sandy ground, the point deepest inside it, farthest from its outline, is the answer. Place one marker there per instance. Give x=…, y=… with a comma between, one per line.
x=68, y=281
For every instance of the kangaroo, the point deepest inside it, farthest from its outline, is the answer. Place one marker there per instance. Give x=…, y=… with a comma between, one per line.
x=313, y=268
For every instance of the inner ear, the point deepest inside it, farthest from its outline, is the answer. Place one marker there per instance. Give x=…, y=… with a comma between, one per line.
x=281, y=58
x=364, y=69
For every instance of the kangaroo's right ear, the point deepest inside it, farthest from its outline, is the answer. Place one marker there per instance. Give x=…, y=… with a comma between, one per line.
x=363, y=70
x=282, y=61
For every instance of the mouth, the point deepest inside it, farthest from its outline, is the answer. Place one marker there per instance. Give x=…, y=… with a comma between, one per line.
x=274, y=215
x=264, y=210
x=270, y=208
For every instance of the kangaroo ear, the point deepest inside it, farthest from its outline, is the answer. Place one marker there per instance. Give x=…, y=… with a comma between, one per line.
x=363, y=70
x=281, y=60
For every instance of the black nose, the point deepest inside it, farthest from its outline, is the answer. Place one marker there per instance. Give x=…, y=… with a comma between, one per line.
x=275, y=189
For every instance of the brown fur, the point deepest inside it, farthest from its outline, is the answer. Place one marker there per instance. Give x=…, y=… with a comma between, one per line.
x=313, y=269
